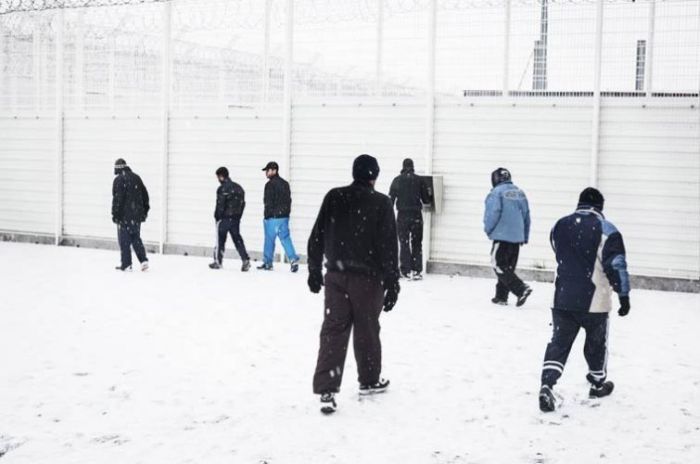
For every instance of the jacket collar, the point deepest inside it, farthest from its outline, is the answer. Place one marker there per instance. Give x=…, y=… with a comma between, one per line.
x=362, y=184
x=588, y=209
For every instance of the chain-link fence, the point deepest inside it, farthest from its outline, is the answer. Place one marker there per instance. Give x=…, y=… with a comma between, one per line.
x=231, y=53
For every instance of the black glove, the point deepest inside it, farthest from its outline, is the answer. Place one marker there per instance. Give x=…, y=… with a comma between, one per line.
x=624, y=306
x=315, y=281
x=391, y=294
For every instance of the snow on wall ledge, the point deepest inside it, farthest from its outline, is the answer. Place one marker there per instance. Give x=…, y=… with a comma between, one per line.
x=649, y=170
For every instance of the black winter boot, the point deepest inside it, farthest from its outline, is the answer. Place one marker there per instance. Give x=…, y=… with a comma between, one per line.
x=601, y=390
x=371, y=389
x=547, y=401
x=328, y=405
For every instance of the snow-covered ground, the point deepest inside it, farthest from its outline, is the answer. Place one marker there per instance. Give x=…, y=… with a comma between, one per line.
x=184, y=364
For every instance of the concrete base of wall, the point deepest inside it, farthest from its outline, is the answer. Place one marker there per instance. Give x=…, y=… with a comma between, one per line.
x=644, y=282
x=434, y=267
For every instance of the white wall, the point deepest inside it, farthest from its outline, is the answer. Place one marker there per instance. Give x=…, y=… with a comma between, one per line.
x=28, y=174
x=649, y=169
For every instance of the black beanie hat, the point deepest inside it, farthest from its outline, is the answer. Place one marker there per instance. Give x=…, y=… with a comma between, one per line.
x=119, y=165
x=223, y=172
x=591, y=197
x=408, y=164
x=499, y=176
x=365, y=168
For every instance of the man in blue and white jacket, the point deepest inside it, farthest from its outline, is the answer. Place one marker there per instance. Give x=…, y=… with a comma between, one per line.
x=507, y=223
x=591, y=265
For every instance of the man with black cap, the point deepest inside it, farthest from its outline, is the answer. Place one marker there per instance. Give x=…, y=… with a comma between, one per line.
x=591, y=265
x=356, y=232
x=507, y=224
x=278, y=207
x=230, y=203
x=129, y=209
x=408, y=192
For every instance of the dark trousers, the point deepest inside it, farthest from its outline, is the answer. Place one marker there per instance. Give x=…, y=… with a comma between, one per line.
x=410, y=229
x=565, y=327
x=504, y=259
x=229, y=226
x=129, y=235
x=353, y=302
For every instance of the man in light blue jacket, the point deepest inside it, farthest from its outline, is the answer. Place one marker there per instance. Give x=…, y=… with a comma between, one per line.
x=507, y=224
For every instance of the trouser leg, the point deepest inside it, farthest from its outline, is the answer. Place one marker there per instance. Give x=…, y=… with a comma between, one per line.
x=286, y=240
x=136, y=242
x=366, y=297
x=595, y=349
x=124, y=240
x=506, y=258
x=270, y=235
x=565, y=327
x=235, y=231
x=417, y=243
x=501, y=288
x=221, y=230
x=403, y=226
x=335, y=335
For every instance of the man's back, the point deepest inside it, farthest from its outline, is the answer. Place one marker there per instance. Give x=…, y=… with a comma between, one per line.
x=130, y=202
x=230, y=200
x=408, y=192
x=278, y=198
x=590, y=262
x=356, y=231
x=507, y=214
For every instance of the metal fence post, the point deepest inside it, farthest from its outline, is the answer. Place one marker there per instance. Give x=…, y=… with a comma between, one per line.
x=165, y=122
x=288, y=89
x=58, y=231
x=595, y=129
x=649, y=60
x=430, y=119
x=506, y=48
x=266, y=54
x=379, y=63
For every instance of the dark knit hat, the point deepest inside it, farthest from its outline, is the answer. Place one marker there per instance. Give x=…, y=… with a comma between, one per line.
x=119, y=166
x=408, y=164
x=223, y=172
x=365, y=168
x=591, y=197
x=499, y=176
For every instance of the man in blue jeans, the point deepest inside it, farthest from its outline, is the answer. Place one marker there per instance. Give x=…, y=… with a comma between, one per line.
x=278, y=206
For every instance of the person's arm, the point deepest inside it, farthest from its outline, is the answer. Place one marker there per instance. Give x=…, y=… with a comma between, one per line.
x=316, y=243
x=424, y=192
x=394, y=191
x=552, y=240
x=388, y=244
x=526, y=218
x=389, y=256
x=268, y=199
x=288, y=196
x=118, y=194
x=492, y=211
x=615, y=262
x=220, y=201
x=146, y=199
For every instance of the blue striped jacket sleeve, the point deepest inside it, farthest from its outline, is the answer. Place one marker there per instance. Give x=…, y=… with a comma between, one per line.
x=615, y=261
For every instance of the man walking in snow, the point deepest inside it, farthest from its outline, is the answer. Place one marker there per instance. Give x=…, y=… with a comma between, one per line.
x=129, y=209
x=230, y=203
x=591, y=266
x=278, y=207
x=409, y=193
x=356, y=232
x=507, y=224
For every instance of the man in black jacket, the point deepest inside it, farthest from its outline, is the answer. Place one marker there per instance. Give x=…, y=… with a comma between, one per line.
x=356, y=231
x=230, y=203
x=278, y=207
x=408, y=192
x=129, y=209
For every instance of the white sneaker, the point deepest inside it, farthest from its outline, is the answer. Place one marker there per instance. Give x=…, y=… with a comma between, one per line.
x=144, y=266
